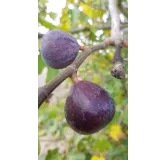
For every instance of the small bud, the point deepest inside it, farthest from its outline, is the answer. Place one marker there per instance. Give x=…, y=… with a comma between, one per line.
x=118, y=70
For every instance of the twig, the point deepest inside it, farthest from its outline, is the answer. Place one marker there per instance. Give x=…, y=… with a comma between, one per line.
x=115, y=22
x=117, y=70
x=103, y=27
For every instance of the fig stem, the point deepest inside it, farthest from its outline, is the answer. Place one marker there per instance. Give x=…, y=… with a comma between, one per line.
x=117, y=56
x=82, y=48
x=74, y=78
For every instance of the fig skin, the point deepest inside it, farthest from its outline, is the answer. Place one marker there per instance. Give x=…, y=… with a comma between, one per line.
x=59, y=49
x=89, y=108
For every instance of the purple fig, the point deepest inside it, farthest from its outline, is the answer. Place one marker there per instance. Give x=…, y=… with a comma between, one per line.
x=59, y=49
x=89, y=108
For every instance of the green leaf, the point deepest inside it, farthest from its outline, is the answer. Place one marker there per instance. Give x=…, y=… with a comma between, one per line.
x=91, y=12
x=53, y=155
x=76, y=156
x=88, y=156
x=114, y=152
x=71, y=1
x=42, y=157
x=125, y=117
x=46, y=23
x=93, y=29
x=43, y=14
x=78, y=139
x=41, y=132
x=51, y=72
x=116, y=117
x=52, y=15
x=75, y=13
x=43, y=1
x=101, y=145
x=41, y=64
x=51, y=126
x=65, y=21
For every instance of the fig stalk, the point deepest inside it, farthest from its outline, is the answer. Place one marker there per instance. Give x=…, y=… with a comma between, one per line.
x=74, y=78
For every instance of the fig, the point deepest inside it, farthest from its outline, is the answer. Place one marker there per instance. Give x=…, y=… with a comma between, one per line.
x=59, y=49
x=89, y=107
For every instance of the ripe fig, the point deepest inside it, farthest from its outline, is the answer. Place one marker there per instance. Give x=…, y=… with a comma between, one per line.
x=59, y=49
x=89, y=108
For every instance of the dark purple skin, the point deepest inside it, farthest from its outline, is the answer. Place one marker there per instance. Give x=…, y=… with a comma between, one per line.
x=89, y=108
x=59, y=49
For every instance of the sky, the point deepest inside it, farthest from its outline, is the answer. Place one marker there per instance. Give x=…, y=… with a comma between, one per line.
x=53, y=6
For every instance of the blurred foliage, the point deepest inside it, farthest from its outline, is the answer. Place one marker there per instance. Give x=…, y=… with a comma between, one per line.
x=111, y=143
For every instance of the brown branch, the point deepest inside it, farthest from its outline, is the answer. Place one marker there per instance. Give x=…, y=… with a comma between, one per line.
x=77, y=30
x=45, y=91
x=118, y=69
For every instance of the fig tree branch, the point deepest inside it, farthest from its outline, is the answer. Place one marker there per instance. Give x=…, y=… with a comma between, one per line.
x=103, y=27
x=46, y=90
x=118, y=69
x=115, y=22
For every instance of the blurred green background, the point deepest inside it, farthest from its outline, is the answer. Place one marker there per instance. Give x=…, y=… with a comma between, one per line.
x=88, y=21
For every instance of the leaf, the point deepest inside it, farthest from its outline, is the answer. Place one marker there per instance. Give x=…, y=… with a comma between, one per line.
x=93, y=29
x=43, y=14
x=51, y=125
x=117, y=151
x=116, y=117
x=65, y=21
x=91, y=12
x=43, y=1
x=78, y=139
x=116, y=132
x=41, y=133
x=71, y=1
x=97, y=158
x=88, y=156
x=101, y=145
x=41, y=64
x=46, y=23
x=75, y=13
x=41, y=157
x=76, y=156
x=52, y=15
x=125, y=117
x=53, y=155
x=51, y=72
